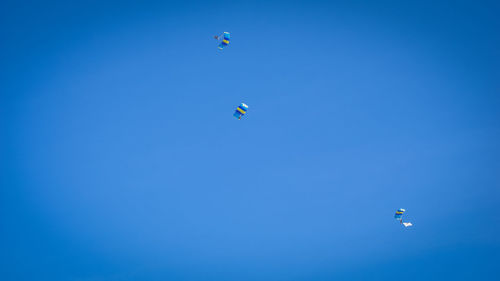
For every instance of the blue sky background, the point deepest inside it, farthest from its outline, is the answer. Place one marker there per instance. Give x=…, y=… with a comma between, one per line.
x=120, y=158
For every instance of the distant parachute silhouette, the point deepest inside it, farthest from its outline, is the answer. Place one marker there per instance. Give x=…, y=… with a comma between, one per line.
x=224, y=40
x=399, y=216
x=240, y=111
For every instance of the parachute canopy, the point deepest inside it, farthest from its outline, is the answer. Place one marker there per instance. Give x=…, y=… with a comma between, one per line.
x=224, y=40
x=399, y=214
x=240, y=111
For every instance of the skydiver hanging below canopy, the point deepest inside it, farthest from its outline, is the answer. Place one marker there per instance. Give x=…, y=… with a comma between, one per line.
x=399, y=216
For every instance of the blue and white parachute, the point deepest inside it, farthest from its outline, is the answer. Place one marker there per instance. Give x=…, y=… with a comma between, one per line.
x=399, y=216
x=240, y=111
x=223, y=39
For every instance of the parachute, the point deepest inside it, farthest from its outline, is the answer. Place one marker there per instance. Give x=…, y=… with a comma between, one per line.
x=240, y=111
x=224, y=40
x=399, y=216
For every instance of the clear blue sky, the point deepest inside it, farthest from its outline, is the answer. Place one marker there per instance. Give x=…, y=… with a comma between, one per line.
x=121, y=160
